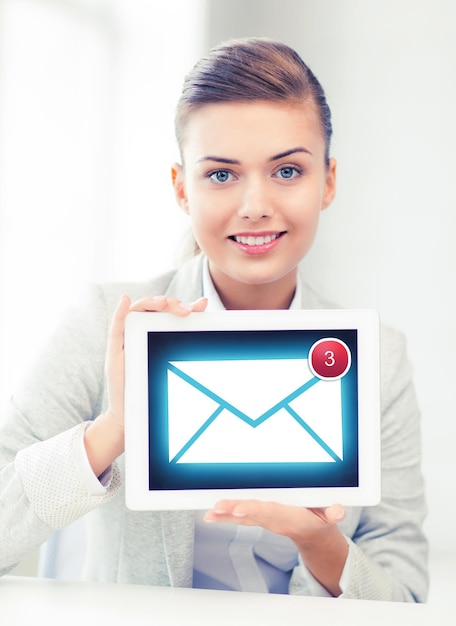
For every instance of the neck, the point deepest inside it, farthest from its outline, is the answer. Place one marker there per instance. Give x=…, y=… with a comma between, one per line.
x=242, y=296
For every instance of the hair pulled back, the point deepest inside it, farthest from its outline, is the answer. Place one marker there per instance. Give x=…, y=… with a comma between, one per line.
x=242, y=70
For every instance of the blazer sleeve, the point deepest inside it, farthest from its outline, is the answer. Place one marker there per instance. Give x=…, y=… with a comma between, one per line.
x=40, y=486
x=388, y=547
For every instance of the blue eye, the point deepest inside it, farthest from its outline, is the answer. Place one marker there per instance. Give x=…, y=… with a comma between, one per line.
x=288, y=172
x=220, y=176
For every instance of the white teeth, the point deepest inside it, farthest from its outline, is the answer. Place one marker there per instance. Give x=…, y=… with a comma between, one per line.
x=255, y=241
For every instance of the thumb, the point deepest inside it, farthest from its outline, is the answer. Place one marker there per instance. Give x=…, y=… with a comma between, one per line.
x=335, y=513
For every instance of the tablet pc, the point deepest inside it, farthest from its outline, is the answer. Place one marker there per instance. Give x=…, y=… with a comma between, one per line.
x=271, y=405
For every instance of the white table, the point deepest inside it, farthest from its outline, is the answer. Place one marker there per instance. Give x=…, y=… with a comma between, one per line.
x=25, y=601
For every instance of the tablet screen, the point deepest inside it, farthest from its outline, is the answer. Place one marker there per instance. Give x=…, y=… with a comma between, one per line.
x=250, y=409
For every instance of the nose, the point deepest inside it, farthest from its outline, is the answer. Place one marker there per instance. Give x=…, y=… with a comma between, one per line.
x=255, y=204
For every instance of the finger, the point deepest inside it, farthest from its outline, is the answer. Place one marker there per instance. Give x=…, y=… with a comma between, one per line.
x=290, y=521
x=121, y=310
x=182, y=309
x=250, y=512
x=334, y=514
x=168, y=305
x=199, y=305
x=114, y=361
x=283, y=519
x=118, y=322
x=150, y=304
x=222, y=509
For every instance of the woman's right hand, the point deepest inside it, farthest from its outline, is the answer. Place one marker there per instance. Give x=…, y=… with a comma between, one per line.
x=104, y=437
x=115, y=368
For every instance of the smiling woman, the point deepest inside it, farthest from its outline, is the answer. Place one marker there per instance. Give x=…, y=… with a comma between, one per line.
x=268, y=193
x=253, y=198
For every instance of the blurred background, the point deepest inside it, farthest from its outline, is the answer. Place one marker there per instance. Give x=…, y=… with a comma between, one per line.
x=87, y=96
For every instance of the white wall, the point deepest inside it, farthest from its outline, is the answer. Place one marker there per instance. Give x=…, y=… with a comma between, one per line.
x=87, y=96
x=389, y=68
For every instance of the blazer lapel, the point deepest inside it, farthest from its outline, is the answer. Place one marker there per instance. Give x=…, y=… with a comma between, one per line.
x=187, y=283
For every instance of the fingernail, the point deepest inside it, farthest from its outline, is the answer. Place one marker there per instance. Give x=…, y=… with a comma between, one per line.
x=196, y=302
x=185, y=306
x=159, y=298
x=340, y=514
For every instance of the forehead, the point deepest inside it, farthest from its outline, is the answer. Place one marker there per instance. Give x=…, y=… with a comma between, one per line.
x=229, y=129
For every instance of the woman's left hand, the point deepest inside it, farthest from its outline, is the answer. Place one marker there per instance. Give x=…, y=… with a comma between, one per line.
x=322, y=546
x=298, y=523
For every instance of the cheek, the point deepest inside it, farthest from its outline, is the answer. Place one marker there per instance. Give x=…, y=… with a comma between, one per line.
x=304, y=209
x=204, y=220
x=208, y=210
x=313, y=201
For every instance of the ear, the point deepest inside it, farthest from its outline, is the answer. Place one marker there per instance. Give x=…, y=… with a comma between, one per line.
x=177, y=177
x=330, y=184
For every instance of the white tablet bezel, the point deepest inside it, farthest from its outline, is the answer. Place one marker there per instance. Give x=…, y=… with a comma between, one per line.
x=138, y=325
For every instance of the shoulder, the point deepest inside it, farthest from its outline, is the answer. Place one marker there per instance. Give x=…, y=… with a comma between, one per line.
x=395, y=367
x=184, y=283
x=312, y=299
x=393, y=346
x=396, y=371
x=107, y=295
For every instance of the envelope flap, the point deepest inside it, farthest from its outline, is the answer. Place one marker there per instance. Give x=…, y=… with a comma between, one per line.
x=251, y=386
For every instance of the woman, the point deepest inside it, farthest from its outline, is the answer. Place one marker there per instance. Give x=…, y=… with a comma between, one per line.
x=254, y=132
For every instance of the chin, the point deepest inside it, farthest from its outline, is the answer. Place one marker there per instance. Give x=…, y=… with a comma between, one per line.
x=263, y=278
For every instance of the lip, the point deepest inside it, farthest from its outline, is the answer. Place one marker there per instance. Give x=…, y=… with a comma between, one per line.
x=257, y=243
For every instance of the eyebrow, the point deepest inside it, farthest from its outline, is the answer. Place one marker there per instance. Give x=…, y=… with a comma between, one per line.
x=282, y=155
x=276, y=157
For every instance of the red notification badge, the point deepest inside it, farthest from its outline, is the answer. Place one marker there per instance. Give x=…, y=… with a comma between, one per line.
x=329, y=358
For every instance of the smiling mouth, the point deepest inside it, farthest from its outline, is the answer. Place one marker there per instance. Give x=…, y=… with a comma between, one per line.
x=255, y=240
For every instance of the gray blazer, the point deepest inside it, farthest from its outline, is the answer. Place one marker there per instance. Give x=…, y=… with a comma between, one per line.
x=41, y=490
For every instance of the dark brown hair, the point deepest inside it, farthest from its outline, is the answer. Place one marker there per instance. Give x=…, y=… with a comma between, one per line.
x=241, y=70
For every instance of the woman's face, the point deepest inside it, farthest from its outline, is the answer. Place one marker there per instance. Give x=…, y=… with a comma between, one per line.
x=254, y=181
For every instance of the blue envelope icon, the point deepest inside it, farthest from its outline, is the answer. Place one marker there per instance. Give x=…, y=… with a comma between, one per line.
x=252, y=411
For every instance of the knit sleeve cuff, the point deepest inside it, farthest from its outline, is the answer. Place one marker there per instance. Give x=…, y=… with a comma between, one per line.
x=366, y=579
x=57, y=489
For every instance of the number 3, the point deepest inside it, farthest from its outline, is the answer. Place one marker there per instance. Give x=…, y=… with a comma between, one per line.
x=330, y=360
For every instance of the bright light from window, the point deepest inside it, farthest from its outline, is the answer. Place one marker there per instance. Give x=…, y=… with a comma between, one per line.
x=88, y=91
